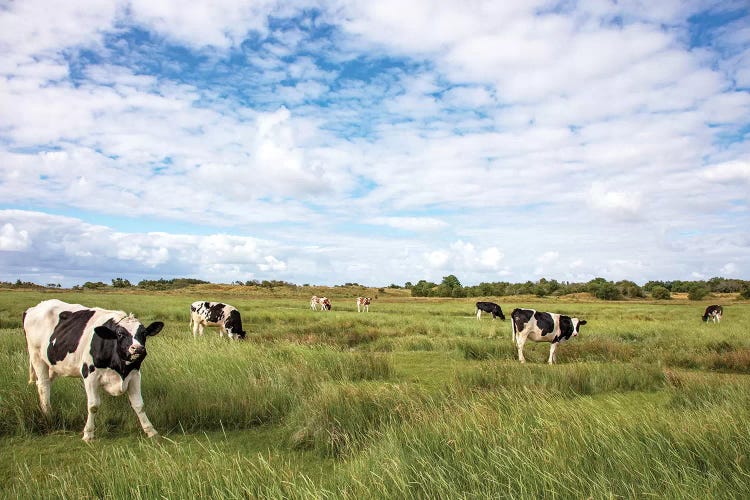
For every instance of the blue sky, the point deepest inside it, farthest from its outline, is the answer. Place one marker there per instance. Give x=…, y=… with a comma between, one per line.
x=328, y=142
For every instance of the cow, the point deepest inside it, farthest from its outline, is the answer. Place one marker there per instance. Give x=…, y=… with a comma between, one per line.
x=713, y=313
x=542, y=327
x=490, y=307
x=226, y=317
x=364, y=303
x=105, y=348
x=323, y=302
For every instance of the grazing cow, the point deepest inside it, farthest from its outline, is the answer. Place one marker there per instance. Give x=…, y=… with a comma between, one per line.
x=542, y=327
x=226, y=317
x=104, y=347
x=323, y=302
x=490, y=307
x=713, y=313
x=364, y=303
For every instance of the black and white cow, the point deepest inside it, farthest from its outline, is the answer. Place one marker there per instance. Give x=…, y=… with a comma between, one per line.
x=226, y=317
x=364, y=303
x=323, y=302
x=713, y=313
x=105, y=348
x=490, y=307
x=542, y=327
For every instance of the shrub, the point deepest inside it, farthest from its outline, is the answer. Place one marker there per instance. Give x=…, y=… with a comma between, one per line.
x=697, y=292
x=607, y=291
x=660, y=293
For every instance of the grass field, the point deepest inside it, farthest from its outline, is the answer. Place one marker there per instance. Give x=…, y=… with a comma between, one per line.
x=414, y=399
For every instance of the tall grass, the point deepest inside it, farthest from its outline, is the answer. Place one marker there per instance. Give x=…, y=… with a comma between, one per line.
x=414, y=399
x=525, y=444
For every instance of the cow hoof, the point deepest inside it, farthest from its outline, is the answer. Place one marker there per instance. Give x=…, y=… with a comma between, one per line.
x=88, y=439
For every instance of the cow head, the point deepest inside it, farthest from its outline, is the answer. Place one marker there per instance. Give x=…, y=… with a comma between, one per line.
x=130, y=336
x=239, y=335
x=233, y=324
x=576, y=324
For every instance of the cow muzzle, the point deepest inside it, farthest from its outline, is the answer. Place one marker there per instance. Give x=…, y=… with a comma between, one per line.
x=136, y=351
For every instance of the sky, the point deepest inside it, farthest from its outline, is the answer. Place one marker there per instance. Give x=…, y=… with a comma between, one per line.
x=336, y=141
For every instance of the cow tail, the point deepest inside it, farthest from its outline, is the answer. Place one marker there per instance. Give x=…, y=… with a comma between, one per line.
x=513, y=326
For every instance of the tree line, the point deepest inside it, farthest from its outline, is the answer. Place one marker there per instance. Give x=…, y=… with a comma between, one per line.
x=450, y=286
x=601, y=288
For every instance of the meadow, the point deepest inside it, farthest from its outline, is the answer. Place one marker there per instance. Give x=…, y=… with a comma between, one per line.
x=415, y=399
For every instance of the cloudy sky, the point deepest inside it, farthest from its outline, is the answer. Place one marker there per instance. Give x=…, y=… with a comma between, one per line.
x=378, y=142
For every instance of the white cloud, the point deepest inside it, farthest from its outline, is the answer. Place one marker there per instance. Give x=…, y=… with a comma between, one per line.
x=464, y=258
x=272, y=264
x=438, y=258
x=516, y=124
x=730, y=269
x=732, y=171
x=13, y=240
x=67, y=243
x=218, y=23
x=620, y=205
x=548, y=257
x=409, y=223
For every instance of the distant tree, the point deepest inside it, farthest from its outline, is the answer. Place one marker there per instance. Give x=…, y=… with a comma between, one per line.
x=120, y=283
x=451, y=281
x=651, y=284
x=450, y=287
x=603, y=289
x=162, y=284
x=94, y=285
x=745, y=293
x=607, y=291
x=660, y=293
x=629, y=289
x=423, y=288
x=697, y=292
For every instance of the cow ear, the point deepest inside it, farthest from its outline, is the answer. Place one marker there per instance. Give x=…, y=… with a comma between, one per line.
x=105, y=333
x=154, y=328
x=582, y=322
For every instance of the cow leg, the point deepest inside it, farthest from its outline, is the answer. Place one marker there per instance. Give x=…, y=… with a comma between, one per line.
x=32, y=375
x=552, y=353
x=195, y=326
x=93, y=402
x=520, y=341
x=479, y=314
x=39, y=370
x=136, y=401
